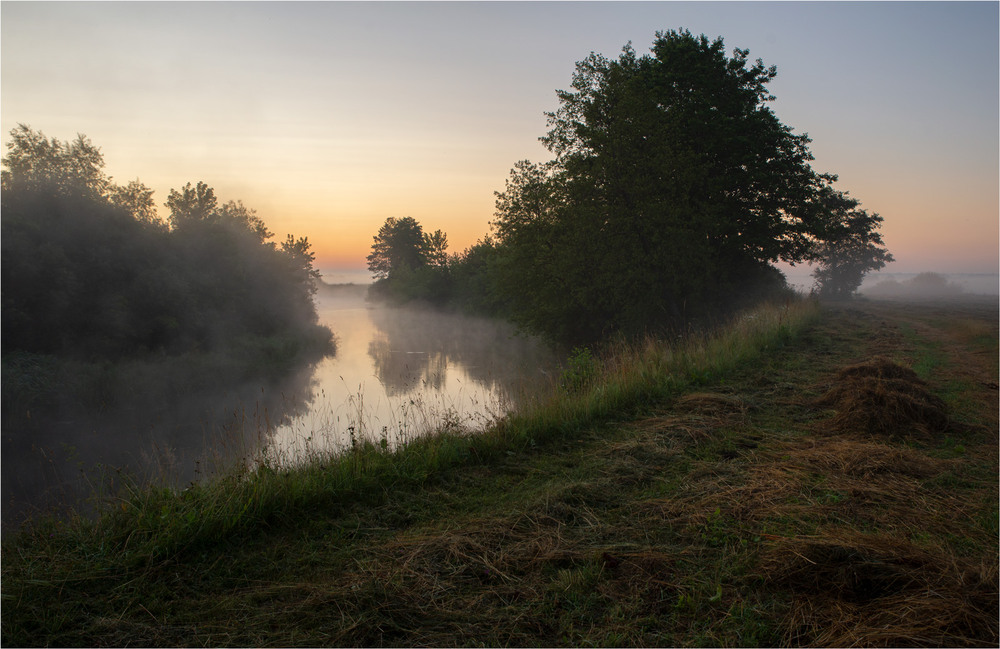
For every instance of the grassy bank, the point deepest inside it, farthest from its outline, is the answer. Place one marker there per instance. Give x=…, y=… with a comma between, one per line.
x=708, y=494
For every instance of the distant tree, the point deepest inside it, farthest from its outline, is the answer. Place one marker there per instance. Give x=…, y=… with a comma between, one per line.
x=400, y=245
x=137, y=199
x=190, y=204
x=850, y=247
x=436, y=249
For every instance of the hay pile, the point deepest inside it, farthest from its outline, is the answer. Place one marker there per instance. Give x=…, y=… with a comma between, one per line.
x=881, y=399
x=851, y=589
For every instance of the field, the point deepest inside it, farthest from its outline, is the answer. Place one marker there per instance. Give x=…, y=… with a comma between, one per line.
x=833, y=483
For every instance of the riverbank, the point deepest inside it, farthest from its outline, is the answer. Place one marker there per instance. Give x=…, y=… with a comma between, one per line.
x=713, y=495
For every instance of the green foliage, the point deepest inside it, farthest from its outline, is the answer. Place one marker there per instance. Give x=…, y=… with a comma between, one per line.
x=64, y=576
x=673, y=190
x=36, y=163
x=581, y=369
x=473, y=275
x=602, y=533
x=399, y=246
x=410, y=264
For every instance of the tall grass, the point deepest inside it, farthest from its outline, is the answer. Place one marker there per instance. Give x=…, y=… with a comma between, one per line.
x=142, y=524
x=633, y=376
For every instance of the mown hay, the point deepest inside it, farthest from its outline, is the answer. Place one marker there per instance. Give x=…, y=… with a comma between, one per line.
x=698, y=416
x=867, y=460
x=850, y=589
x=882, y=399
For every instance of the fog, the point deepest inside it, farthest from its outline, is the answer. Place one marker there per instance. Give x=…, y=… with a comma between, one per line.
x=927, y=285
x=930, y=286
x=401, y=371
x=155, y=429
x=397, y=373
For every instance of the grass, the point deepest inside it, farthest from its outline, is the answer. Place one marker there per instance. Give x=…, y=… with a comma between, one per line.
x=701, y=495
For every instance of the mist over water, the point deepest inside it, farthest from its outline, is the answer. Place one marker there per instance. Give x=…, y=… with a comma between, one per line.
x=155, y=433
x=400, y=372
x=397, y=373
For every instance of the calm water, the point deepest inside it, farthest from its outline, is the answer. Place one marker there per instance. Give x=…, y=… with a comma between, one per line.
x=400, y=372
x=397, y=373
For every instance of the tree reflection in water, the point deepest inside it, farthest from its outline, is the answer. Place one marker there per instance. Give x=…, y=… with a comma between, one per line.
x=401, y=372
x=397, y=373
x=415, y=347
x=165, y=426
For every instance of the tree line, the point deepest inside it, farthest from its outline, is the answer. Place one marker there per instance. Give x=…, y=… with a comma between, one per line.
x=673, y=190
x=90, y=271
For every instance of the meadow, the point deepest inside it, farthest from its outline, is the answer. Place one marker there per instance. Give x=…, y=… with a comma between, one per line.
x=811, y=474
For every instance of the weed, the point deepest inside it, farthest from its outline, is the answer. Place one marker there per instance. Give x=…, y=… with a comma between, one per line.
x=581, y=370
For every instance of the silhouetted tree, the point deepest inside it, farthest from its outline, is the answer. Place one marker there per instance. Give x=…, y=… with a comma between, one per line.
x=673, y=189
x=34, y=162
x=398, y=245
x=236, y=212
x=435, y=248
x=473, y=275
x=850, y=247
x=137, y=199
x=196, y=203
x=90, y=272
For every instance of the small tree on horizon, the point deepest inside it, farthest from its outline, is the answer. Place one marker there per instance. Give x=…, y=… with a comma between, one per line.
x=401, y=246
x=851, y=248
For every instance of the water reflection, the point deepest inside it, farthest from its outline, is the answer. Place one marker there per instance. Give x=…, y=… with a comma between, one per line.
x=422, y=343
x=400, y=372
x=167, y=427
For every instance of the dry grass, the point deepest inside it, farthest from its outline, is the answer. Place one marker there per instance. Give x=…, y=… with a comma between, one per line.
x=852, y=589
x=884, y=400
x=738, y=515
x=697, y=416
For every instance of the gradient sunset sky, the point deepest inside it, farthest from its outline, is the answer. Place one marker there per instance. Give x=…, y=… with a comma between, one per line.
x=329, y=117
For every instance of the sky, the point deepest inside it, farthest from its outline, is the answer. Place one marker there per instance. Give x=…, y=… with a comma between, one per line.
x=329, y=117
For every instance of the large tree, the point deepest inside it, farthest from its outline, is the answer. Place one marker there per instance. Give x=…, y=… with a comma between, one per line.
x=37, y=164
x=673, y=188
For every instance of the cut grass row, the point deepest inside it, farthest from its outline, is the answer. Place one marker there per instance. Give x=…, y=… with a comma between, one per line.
x=686, y=496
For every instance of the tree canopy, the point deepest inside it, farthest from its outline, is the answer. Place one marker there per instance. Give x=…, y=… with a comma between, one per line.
x=90, y=271
x=408, y=263
x=398, y=246
x=673, y=189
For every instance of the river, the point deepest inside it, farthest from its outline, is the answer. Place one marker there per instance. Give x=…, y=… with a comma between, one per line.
x=397, y=373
